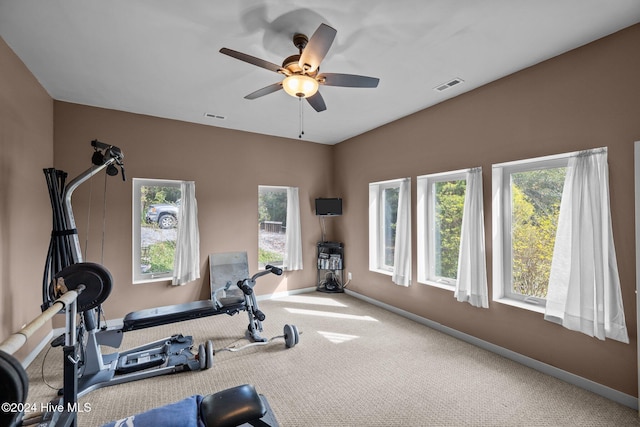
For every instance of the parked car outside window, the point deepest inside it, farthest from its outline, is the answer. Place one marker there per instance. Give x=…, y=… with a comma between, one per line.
x=163, y=214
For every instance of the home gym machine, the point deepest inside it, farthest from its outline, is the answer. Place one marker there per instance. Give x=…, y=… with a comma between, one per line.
x=231, y=407
x=165, y=356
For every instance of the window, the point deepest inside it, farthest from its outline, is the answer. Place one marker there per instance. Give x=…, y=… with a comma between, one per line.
x=272, y=225
x=440, y=209
x=526, y=197
x=383, y=214
x=155, y=212
x=388, y=215
x=279, y=227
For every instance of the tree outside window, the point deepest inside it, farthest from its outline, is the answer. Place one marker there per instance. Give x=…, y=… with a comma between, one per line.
x=526, y=196
x=272, y=225
x=535, y=206
x=449, y=206
x=440, y=209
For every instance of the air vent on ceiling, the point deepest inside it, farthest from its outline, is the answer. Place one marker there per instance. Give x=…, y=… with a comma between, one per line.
x=448, y=85
x=214, y=116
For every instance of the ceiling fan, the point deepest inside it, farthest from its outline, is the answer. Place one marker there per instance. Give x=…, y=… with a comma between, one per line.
x=302, y=70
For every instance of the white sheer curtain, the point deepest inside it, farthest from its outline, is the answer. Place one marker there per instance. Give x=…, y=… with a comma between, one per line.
x=584, y=287
x=186, y=264
x=293, y=236
x=471, y=285
x=402, y=252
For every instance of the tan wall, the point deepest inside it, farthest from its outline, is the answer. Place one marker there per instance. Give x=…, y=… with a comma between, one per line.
x=227, y=167
x=587, y=98
x=26, y=147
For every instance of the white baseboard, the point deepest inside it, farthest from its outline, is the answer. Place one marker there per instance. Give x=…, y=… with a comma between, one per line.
x=584, y=383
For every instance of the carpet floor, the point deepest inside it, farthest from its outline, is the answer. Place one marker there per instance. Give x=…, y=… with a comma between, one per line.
x=355, y=365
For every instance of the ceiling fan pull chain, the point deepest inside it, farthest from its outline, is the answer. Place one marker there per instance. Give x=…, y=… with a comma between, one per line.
x=301, y=118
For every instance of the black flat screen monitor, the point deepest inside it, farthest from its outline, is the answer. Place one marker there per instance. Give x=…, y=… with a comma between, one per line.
x=327, y=207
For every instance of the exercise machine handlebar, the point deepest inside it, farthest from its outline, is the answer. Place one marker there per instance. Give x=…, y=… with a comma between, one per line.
x=112, y=149
x=275, y=270
x=109, y=154
x=247, y=285
x=267, y=269
x=14, y=342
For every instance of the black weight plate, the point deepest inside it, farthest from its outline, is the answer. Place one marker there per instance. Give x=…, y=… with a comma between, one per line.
x=17, y=366
x=14, y=386
x=96, y=279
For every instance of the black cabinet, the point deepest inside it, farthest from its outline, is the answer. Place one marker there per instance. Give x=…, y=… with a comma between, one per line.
x=330, y=267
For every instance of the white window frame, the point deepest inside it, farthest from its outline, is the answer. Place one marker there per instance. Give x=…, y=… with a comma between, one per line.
x=138, y=276
x=501, y=225
x=426, y=228
x=376, y=221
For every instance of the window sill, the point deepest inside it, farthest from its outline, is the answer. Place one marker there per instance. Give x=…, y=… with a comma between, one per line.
x=521, y=304
x=152, y=280
x=440, y=285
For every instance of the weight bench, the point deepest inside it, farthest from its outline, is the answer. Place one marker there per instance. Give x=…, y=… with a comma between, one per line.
x=230, y=294
x=165, y=315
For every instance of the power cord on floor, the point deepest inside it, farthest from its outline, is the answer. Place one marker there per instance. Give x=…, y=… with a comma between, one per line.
x=346, y=284
x=42, y=370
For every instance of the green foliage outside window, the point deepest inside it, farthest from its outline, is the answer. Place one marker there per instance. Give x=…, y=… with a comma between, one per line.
x=535, y=206
x=272, y=206
x=161, y=256
x=269, y=257
x=449, y=204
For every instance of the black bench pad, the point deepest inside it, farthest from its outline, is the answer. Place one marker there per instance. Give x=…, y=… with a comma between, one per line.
x=167, y=314
x=232, y=407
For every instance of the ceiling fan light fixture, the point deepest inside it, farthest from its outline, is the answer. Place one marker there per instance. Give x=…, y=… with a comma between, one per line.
x=300, y=86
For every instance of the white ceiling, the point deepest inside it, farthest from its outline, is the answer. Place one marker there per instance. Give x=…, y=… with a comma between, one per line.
x=160, y=57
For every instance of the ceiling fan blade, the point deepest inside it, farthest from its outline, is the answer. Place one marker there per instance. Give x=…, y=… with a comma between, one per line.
x=251, y=59
x=317, y=102
x=317, y=48
x=265, y=91
x=347, y=80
